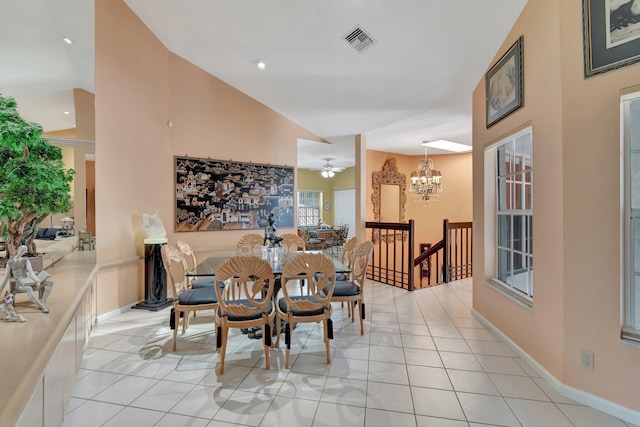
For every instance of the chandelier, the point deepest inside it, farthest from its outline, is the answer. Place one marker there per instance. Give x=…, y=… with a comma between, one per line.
x=426, y=182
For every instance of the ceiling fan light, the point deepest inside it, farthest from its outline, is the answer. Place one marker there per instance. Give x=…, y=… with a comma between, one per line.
x=324, y=174
x=331, y=174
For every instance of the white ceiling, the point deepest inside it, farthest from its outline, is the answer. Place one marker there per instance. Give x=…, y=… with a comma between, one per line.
x=414, y=84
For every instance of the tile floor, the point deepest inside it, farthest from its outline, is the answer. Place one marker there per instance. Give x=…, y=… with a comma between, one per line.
x=424, y=361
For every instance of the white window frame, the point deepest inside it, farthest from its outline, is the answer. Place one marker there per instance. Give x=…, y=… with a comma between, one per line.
x=631, y=253
x=307, y=208
x=522, y=293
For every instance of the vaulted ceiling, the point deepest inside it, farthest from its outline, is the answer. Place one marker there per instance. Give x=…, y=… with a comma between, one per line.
x=413, y=83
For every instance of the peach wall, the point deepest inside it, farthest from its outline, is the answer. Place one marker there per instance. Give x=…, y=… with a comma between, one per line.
x=132, y=145
x=576, y=239
x=591, y=139
x=454, y=204
x=140, y=86
x=537, y=331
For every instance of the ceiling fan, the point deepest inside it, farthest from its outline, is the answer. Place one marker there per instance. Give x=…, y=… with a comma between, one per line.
x=328, y=170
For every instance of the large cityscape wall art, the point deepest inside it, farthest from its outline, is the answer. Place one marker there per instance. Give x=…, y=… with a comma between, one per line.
x=225, y=195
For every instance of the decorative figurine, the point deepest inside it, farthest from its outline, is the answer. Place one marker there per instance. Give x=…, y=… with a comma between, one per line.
x=8, y=312
x=153, y=226
x=21, y=277
x=271, y=233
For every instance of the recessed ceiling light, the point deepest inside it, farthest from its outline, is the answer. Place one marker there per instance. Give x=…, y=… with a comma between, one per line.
x=67, y=113
x=447, y=145
x=67, y=40
x=261, y=65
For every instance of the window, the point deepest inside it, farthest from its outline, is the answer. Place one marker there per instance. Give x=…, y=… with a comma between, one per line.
x=512, y=162
x=631, y=141
x=309, y=208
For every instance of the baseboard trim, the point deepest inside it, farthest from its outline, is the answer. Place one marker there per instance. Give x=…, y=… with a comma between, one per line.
x=113, y=313
x=578, y=395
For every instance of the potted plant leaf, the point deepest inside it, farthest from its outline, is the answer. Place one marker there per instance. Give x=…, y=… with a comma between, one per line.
x=33, y=180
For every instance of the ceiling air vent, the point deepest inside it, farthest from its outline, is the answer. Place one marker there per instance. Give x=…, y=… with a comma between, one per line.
x=359, y=39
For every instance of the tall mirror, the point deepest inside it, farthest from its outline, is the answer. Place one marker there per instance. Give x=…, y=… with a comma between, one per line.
x=389, y=193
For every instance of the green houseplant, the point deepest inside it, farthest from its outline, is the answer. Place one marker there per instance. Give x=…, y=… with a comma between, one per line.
x=33, y=180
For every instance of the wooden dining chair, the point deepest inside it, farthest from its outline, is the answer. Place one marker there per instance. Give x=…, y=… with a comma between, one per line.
x=252, y=306
x=314, y=307
x=352, y=292
x=248, y=244
x=185, y=300
x=190, y=263
x=292, y=242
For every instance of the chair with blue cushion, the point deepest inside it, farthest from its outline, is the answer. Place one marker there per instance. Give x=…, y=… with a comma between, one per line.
x=253, y=278
x=352, y=292
x=191, y=262
x=185, y=300
x=313, y=307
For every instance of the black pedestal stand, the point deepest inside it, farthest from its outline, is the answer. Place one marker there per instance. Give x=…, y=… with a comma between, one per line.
x=155, y=284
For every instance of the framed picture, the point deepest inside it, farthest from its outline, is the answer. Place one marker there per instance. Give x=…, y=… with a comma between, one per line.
x=225, y=195
x=504, y=85
x=611, y=30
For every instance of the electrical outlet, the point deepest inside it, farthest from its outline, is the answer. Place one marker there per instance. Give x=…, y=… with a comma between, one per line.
x=586, y=359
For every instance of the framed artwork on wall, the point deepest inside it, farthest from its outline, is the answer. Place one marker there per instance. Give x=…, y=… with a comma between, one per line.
x=226, y=195
x=504, y=85
x=611, y=30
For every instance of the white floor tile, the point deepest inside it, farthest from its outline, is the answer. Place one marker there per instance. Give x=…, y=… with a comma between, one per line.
x=439, y=422
x=553, y=395
x=415, y=356
x=436, y=403
x=134, y=417
x=303, y=386
x=418, y=341
x=440, y=369
x=584, y=416
x=382, y=372
x=491, y=348
x=174, y=420
x=126, y=390
x=244, y=408
x=533, y=414
x=463, y=361
x=377, y=418
x=518, y=387
x=389, y=397
x=311, y=364
x=91, y=414
x=202, y=402
x=487, y=409
x=285, y=410
x=500, y=365
x=332, y=415
x=472, y=382
x=476, y=334
x=344, y=391
x=451, y=344
x=162, y=396
x=426, y=376
x=93, y=383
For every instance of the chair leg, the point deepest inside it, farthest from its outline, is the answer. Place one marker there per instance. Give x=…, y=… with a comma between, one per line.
x=176, y=320
x=361, y=317
x=326, y=340
x=223, y=349
x=278, y=328
x=287, y=340
x=266, y=331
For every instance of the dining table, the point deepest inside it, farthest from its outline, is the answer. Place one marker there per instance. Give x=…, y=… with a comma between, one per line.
x=209, y=265
x=207, y=268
